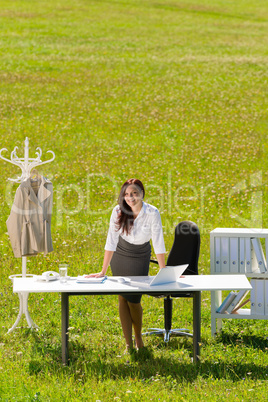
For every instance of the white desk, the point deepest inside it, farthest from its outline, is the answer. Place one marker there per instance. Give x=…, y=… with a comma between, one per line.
x=193, y=284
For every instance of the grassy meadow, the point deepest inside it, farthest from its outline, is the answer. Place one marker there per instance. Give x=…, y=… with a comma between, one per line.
x=173, y=92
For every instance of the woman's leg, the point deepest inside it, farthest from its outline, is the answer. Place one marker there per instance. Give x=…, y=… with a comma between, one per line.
x=136, y=317
x=126, y=320
x=131, y=314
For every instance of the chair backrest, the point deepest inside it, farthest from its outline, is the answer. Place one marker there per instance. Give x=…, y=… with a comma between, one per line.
x=186, y=246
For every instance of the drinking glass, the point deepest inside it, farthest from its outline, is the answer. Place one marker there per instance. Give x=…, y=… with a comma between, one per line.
x=63, y=272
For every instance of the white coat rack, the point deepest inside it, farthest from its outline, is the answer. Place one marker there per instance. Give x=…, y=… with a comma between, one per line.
x=26, y=165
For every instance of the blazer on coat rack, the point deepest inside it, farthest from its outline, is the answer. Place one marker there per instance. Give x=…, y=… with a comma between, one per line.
x=29, y=223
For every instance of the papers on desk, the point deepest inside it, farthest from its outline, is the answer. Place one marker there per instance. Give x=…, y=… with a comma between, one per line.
x=84, y=279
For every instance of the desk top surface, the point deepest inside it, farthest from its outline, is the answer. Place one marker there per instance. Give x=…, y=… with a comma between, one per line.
x=189, y=283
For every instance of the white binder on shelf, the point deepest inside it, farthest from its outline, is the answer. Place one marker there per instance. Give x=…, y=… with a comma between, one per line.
x=242, y=255
x=232, y=304
x=253, y=296
x=234, y=255
x=225, y=255
x=266, y=250
x=248, y=261
x=226, y=303
x=238, y=300
x=257, y=249
x=217, y=254
x=257, y=299
x=265, y=296
x=260, y=297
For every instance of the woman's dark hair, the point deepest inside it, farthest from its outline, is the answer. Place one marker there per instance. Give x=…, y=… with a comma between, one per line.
x=125, y=218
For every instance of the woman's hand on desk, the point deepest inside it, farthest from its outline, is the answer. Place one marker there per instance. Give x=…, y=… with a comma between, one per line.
x=107, y=258
x=97, y=275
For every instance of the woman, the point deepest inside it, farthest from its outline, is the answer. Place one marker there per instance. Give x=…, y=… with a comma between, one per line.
x=133, y=223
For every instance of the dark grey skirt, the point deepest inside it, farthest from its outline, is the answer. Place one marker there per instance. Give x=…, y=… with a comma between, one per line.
x=131, y=260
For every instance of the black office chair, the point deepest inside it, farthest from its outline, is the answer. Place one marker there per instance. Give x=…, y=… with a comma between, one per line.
x=185, y=250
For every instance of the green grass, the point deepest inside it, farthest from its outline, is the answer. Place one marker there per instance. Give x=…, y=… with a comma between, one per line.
x=174, y=93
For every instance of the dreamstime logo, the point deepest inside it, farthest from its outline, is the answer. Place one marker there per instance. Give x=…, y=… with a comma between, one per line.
x=254, y=188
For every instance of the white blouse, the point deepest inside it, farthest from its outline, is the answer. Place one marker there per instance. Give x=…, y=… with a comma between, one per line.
x=146, y=226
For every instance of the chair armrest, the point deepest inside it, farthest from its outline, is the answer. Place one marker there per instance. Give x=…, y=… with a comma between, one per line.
x=154, y=261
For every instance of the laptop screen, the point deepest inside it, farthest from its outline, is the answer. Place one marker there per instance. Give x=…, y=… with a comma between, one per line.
x=168, y=274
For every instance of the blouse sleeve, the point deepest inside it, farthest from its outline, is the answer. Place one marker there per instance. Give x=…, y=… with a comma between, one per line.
x=157, y=234
x=113, y=233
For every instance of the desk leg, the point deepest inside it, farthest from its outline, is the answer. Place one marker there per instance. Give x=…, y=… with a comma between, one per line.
x=64, y=328
x=196, y=325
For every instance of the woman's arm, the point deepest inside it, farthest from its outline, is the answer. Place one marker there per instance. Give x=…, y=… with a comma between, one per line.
x=106, y=262
x=161, y=260
x=111, y=243
x=158, y=238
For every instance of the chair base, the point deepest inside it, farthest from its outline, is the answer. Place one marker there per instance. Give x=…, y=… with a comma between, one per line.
x=168, y=333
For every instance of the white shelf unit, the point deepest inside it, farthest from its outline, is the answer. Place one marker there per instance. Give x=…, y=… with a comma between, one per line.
x=240, y=251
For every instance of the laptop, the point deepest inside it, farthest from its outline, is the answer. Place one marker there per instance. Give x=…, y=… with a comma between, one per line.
x=164, y=276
